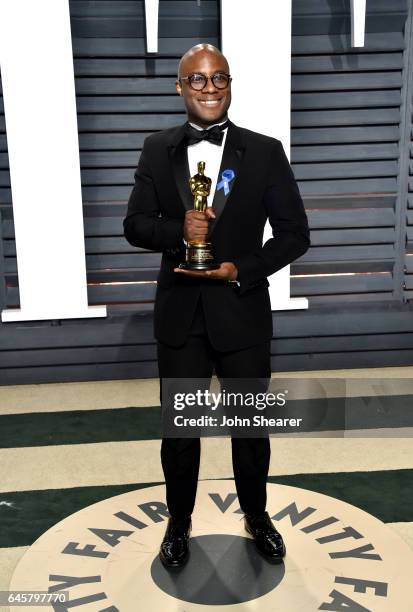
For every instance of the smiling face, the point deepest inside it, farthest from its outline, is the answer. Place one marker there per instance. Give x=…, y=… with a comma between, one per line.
x=209, y=105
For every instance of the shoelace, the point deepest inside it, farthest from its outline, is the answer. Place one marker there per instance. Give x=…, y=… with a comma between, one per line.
x=263, y=526
x=178, y=531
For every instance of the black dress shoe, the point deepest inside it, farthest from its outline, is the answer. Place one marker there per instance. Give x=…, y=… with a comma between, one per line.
x=174, y=549
x=267, y=539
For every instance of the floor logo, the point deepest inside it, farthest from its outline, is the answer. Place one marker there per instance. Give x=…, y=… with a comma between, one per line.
x=105, y=556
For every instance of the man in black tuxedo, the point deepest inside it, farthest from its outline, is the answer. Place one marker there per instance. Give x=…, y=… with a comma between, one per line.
x=219, y=319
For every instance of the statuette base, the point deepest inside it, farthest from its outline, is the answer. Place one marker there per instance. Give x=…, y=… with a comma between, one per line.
x=199, y=257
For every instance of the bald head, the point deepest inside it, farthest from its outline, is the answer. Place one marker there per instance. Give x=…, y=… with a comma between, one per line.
x=199, y=50
x=209, y=104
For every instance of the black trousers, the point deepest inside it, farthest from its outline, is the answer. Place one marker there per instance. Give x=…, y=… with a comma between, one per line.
x=180, y=456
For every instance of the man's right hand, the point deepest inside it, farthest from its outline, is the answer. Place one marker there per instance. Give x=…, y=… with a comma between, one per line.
x=196, y=224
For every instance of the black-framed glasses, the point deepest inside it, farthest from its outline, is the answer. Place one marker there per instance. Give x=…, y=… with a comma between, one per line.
x=198, y=81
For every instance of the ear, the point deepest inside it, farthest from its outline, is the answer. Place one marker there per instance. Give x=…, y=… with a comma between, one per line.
x=178, y=87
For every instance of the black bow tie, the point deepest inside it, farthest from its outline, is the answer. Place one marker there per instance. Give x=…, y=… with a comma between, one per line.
x=214, y=134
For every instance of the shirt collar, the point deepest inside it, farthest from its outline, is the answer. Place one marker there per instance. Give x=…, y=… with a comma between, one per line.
x=198, y=127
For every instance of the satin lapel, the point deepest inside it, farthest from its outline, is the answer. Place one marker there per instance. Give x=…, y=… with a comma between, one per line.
x=231, y=160
x=180, y=168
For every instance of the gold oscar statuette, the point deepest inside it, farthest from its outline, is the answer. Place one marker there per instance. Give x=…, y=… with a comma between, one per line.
x=199, y=253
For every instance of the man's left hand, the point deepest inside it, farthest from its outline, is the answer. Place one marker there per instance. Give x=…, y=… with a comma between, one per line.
x=226, y=271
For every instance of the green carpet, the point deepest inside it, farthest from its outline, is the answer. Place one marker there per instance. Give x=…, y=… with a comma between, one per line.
x=388, y=495
x=122, y=424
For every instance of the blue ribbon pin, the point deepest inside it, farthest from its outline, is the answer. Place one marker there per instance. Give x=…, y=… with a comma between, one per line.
x=226, y=176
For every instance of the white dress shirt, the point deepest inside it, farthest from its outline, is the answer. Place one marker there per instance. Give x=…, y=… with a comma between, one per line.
x=211, y=154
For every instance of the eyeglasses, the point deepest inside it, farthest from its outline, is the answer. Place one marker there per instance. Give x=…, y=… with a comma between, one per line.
x=198, y=81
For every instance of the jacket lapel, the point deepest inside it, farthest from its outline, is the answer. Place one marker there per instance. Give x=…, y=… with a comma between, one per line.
x=180, y=168
x=230, y=167
x=231, y=162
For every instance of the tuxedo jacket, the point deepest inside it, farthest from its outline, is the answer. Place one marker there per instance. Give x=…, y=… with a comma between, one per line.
x=263, y=187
